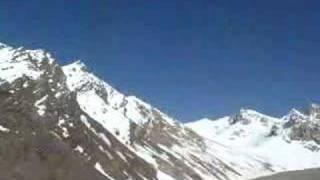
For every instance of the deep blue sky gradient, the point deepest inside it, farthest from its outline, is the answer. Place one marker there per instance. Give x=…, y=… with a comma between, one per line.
x=190, y=58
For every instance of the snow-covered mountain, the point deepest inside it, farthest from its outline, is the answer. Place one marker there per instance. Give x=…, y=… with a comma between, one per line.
x=63, y=122
x=153, y=135
x=290, y=143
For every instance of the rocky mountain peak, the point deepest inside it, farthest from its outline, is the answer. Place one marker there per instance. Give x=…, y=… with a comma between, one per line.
x=296, y=118
x=304, y=127
x=246, y=116
x=80, y=78
x=294, y=115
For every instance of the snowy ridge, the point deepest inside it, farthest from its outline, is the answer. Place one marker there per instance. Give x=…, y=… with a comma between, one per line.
x=294, y=115
x=16, y=63
x=79, y=79
x=247, y=123
x=255, y=116
x=108, y=106
x=98, y=99
x=259, y=135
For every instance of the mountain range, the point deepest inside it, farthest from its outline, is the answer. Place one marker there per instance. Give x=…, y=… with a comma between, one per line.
x=62, y=122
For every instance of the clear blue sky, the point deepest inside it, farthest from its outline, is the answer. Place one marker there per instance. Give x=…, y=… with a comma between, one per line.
x=190, y=58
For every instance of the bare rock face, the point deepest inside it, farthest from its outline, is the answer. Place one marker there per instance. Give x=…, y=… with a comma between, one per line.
x=304, y=126
x=32, y=148
x=306, y=131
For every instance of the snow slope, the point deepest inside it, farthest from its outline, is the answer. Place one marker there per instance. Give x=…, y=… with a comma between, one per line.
x=108, y=106
x=266, y=137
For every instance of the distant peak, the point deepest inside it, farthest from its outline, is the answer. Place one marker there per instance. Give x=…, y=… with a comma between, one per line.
x=294, y=115
x=248, y=115
x=295, y=111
